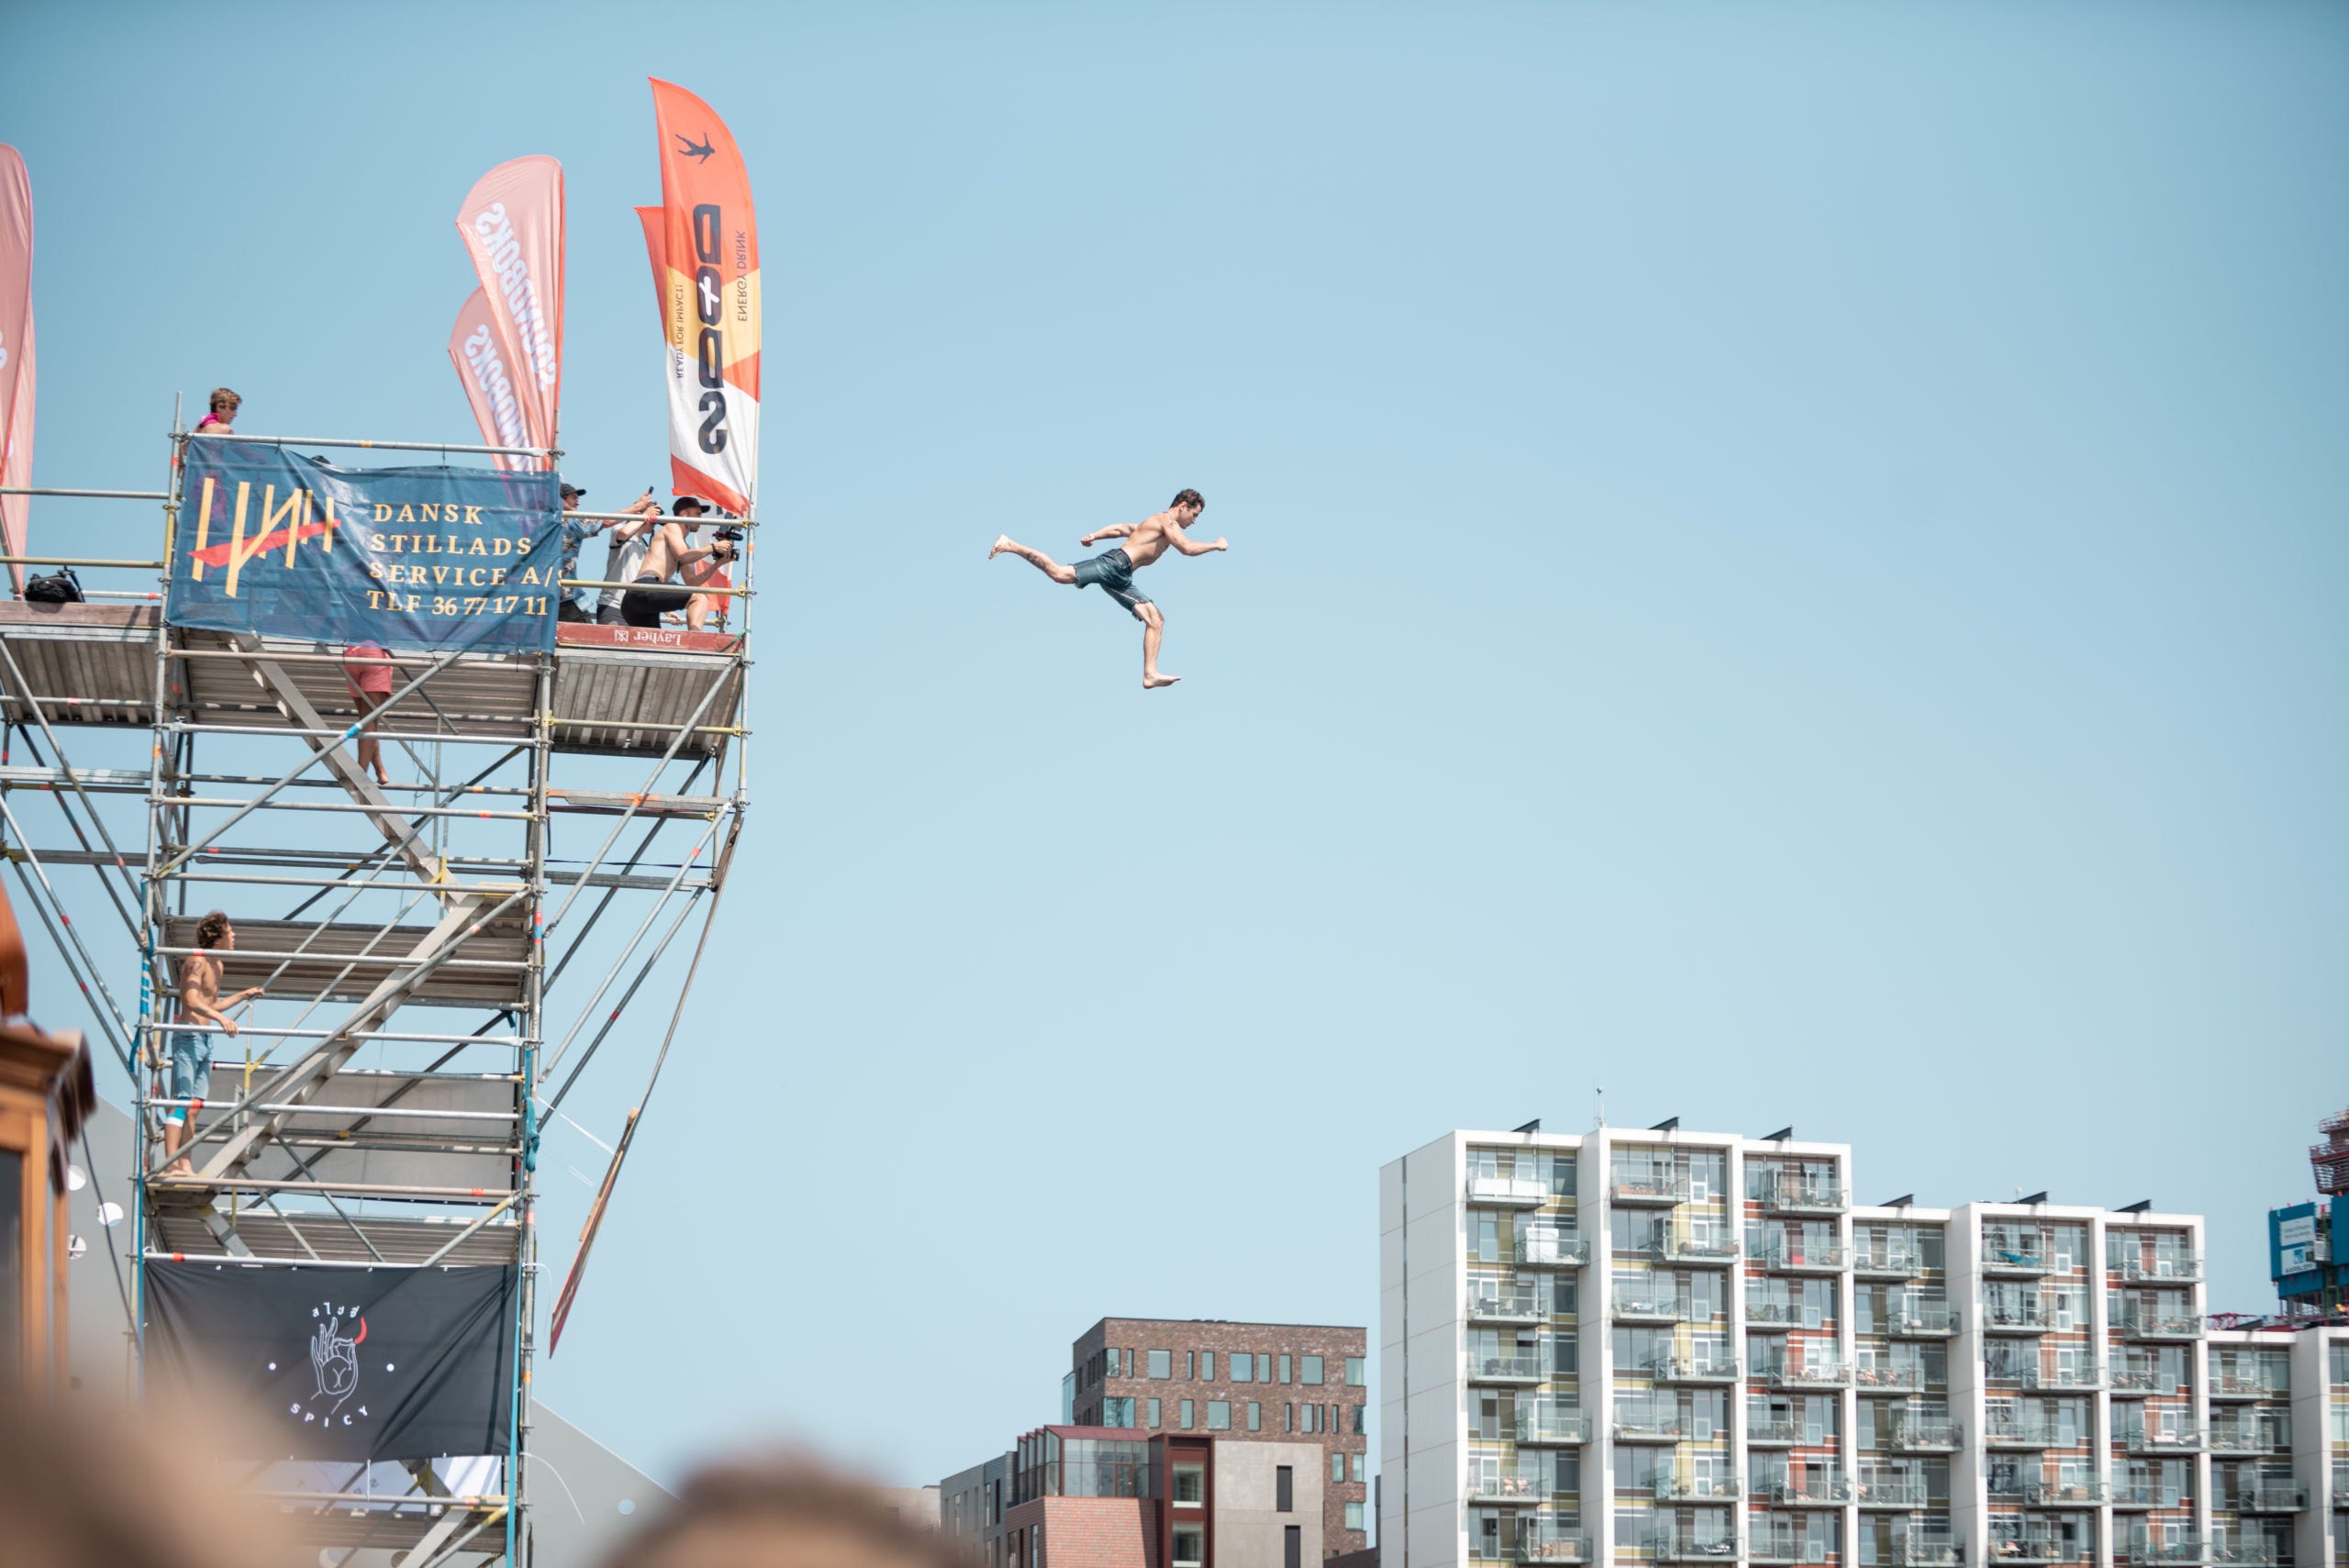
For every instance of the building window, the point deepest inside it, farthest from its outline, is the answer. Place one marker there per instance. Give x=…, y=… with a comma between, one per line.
x=1337, y=1466
x=1312, y=1419
x=1309, y=1371
x=1243, y=1367
x=1362, y=1419
x=1356, y=1462
x=1185, y=1413
x=1289, y=1418
x=1152, y=1413
x=1190, y=1485
x=1207, y=1366
x=1357, y=1371
x=1109, y=1357
x=1285, y=1370
x=1353, y=1515
x=1255, y=1416
x=1218, y=1415
x=1161, y=1363
x=1190, y=1546
x=1293, y=1547
x=1284, y=1490
x=1191, y=1365
x=1117, y=1412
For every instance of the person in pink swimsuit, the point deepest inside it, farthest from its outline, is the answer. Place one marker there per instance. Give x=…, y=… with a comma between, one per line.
x=371, y=686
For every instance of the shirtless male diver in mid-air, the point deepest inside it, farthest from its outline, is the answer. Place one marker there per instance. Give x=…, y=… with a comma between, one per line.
x=1114, y=569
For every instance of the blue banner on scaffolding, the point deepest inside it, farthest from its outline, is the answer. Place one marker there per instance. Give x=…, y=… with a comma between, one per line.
x=432, y=557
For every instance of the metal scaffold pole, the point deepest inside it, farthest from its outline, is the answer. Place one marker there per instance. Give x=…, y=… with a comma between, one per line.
x=347, y=1131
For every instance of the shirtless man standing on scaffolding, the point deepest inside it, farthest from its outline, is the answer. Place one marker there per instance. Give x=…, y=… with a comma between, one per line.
x=190, y=1060
x=1114, y=570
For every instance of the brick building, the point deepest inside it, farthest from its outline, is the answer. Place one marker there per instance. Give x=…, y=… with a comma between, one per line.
x=1070, y=1496
x=1240, y=1383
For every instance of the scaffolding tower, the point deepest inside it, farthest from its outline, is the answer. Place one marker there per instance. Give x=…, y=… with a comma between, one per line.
x=381, y=1107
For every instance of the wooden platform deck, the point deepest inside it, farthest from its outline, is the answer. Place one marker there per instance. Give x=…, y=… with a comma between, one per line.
x=367, y=952
x=616, y=689
x=325, y=1237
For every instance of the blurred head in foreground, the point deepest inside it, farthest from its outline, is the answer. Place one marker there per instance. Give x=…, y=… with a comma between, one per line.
x=781, y=1512
x=77, y=1492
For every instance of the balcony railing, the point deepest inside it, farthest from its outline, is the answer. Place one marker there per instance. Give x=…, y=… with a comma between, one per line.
x=1922, y=1322
x=1831, y=1493
x=1768, y=1314
x=2134, y=1381
x=2025, y=1432
x=2232, y=1438
x=1509, y=1304
x=1893, y=1492
x=2033, y=1547
x=1776, y=1545
x=2015, y=1252
x=1691, y=1369
x=2066, y=1494
x=1657, y=1429
x=2085, y=1374
x=1504, y=1368
x=1523, y=1489
x=2139, y=1323
x=1551, y=1423
x=2185, y=1268
x=1809, y=1372
x=2245, y=1552
x=1544, y=1546
x=1787, y=1196
x=1714, y=1251
x=1887, y=1378
x=2145, y=1495
x=1696, y=1489
x=1926, y=1437
x=2011, y=1317
x=2269, y=1497
x=1637, y=1306
x=1888, y=1262
x=1925, y=1552
x=1551, y=1247
x=1802, y=1259
x=1672, y=1546
x=1509, y=1192
x=2236, y=1386
x=1774, y=1434
x=1660, y=1187
x=2181, y=1439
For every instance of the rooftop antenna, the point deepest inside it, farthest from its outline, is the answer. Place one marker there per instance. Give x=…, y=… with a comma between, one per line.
x=1602, y=1104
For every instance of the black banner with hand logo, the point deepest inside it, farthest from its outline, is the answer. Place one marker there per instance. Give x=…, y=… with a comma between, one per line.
x=342, y=1364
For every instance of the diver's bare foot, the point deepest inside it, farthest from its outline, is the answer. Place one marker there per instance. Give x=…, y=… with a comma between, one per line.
x=1152, y=680
x=179, y=1168
x=1002, y=543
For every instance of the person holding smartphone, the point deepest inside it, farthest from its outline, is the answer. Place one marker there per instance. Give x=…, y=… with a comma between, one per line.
x=625, y=555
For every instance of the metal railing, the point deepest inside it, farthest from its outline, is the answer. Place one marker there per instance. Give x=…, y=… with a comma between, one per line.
x=1893, y=1491
x=1696, y=1489
x=2010, y=1315
x=1656, y=1186
x=2236, y=1386
x=1930, y=1321
x=2267, y=1498
x=1509, y=1301
x=1485, y=1486
x=1508, y=1190
x=1551, y=1546
x=1777, y=1311
x=1777, y=1541
x=2066, y=1494
x=1804, y=1372
x=2017, y=1432
x=1650, y=1429
x=2145, y=1495
x=2230, y=1436
x=1673, y=1546
x=2041, y=1547
x=1926, y=1551
x=1693, y=1369
x=1926, y=1437
x=1551, y=1245
x=1797, y=1196
x=1888, y=1377
x=1800, y=1257
x=2185, y=1268
x=2141, y=1379
x=2181, y=1438
x=1544, y=1423
x=1883, y=1262
x=1826, y=1491
x=1513, y=1368
x=1682, y=1248
x=1629, y=1306
x=2015, y=1251
x=2139, y=1323
x=2087, y=1375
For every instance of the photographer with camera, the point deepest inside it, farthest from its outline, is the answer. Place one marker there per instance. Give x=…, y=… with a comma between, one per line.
x=673, y=553
x=711, y=602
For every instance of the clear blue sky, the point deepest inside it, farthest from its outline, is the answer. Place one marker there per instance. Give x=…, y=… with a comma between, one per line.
x=1788, y=560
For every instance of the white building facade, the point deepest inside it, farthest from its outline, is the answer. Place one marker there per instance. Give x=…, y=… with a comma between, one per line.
x=1653, y=1346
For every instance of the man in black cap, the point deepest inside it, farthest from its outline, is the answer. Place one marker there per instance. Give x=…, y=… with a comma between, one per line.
x=673, y=552
x=575, y=534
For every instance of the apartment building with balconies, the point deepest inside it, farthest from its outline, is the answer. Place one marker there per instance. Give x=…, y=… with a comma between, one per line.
x=1652, y=1346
